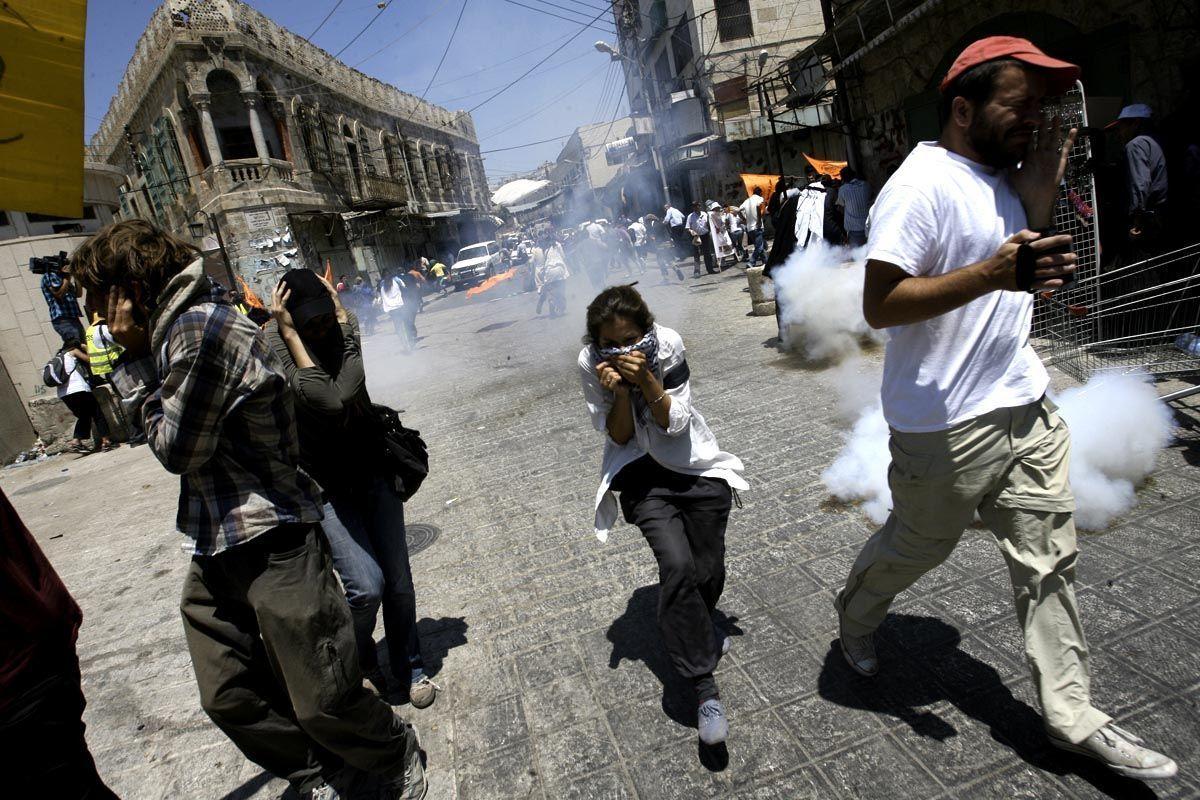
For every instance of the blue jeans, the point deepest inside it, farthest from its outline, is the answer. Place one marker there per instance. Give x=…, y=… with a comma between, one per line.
x=759, y=254
x=365, y=529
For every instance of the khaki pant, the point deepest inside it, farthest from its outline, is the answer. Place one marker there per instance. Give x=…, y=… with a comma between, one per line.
x=1010, y=466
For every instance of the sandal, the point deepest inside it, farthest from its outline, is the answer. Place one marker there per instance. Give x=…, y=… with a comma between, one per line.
x=109, y=446
x=78, y=447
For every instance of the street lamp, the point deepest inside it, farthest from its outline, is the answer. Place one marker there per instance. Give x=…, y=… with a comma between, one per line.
x=198, y=228
x=656, y=157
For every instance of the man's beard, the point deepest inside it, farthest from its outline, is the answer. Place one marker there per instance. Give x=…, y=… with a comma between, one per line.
x=992, y=146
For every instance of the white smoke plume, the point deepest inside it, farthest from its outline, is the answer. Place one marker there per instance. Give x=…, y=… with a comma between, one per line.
x=819, y=290
x=1118, y=427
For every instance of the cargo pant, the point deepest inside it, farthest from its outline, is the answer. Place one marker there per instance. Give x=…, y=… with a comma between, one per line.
x=1010, y=465
x=272, y=644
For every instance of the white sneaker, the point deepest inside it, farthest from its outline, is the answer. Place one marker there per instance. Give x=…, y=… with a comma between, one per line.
x=1122, y=752
x=713, y=725
x=859, y=652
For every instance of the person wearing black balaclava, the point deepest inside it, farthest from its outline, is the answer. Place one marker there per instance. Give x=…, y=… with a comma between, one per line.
x=318, y=342
x=675, y=484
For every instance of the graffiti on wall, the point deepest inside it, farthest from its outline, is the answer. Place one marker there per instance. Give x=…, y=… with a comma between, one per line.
x=887, y=135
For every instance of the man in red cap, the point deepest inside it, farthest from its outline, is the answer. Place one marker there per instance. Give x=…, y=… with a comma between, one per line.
x=957, y=242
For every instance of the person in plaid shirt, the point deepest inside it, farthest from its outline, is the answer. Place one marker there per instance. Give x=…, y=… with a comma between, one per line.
x=59, y=293
x=268, y=628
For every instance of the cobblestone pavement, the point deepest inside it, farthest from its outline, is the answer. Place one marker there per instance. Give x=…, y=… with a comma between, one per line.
x=544, y=639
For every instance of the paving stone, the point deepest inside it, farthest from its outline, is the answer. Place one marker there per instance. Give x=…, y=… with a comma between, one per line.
x=1163, y=653
x=804, y=784
x=548, y=664
x=1102, y=617
x=560, y=703
x=1098, y=564
x=675, y=772
x=860, y=772
x=601, y=786
x=1147, y=591
x=565, y=754
x=490, y=727
x=830, y=719
x=972, y=604
x=954, y=747
x=507, y=774
x=1018, y=782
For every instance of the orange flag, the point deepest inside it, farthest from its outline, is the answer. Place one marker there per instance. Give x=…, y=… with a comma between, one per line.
x=328, y=272
x=831, y=168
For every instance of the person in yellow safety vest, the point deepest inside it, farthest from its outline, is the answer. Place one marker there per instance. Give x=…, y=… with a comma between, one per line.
x=102, y=350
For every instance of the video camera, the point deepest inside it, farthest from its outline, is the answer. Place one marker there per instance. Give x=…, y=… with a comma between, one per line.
x=42, y=265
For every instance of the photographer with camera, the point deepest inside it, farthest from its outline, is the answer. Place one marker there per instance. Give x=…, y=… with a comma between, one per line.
x=952, y=263
x=59, y=290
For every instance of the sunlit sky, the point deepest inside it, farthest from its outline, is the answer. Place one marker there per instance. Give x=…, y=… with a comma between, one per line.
x=496, y=42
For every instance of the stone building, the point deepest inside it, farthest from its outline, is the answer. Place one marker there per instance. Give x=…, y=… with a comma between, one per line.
x=880, y=61
x=692, y=67
x=225, y=122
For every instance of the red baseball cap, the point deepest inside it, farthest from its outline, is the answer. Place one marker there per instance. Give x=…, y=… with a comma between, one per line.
x=1060, y=75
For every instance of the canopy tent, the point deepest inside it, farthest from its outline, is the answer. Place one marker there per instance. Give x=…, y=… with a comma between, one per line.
x=520, y=191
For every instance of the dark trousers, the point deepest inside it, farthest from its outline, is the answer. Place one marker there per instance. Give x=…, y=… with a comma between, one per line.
x=364, y=526
x=272, y=644
x=41, y=737
x=86, y=410
x=705, y=249
x=759, y=255
x=68, y=328
x=683, y=518
x=682, y=239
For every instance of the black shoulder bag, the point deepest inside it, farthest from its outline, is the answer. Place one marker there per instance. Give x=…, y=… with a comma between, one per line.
x=405, y=454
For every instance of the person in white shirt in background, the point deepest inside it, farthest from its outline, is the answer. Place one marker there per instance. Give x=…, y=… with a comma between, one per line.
x=76, y=394
x=733, y=221
x=751, y=211
x=700, y=229
x=675, y=483
x=674, y=221
x=950, y=272
x=391, y=297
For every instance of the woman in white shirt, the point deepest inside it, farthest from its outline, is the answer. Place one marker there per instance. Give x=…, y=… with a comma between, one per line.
x=674, y=482
x=76, y=394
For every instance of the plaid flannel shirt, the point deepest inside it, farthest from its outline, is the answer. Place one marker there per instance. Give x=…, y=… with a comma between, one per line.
x=216, y=410
x=65, y=307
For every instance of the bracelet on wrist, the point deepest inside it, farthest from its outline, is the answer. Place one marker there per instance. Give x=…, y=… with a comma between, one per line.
x=658, y=399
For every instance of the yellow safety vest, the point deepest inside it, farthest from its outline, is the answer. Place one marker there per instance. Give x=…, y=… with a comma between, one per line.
x=102, y=351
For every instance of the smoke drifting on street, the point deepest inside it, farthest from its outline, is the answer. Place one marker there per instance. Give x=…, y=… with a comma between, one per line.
x=819, y=289
x=1118, y=427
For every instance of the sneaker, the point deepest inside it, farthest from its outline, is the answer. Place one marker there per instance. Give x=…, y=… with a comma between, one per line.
x=322, y=792
x=413, y=786
x=859, y=652
x=422, y=693
x=714, y=727
x=1122, y=752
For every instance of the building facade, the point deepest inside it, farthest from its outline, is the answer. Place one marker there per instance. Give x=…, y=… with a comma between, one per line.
x=692, y=67
x=225, y=122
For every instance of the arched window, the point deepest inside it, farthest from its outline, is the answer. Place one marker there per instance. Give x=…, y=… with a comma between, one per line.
x=391, y=152
x=364, y=152
x=230, y=116
x=274, y=123
x=352, y=156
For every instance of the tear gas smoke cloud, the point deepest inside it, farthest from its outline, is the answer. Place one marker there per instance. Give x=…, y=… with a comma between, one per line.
x=819, y=289
x=1118, y=426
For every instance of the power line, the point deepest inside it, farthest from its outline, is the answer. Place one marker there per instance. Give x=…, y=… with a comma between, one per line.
x=449, y=42
x=534, y=112
x=336, y=6
x=559, y=16
x=494, y=88
x=525, y=74
x=421, y=22
x=527, y=144
x=382, y=9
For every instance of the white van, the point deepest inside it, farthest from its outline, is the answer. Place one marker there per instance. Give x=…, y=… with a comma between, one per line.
x=475, y=263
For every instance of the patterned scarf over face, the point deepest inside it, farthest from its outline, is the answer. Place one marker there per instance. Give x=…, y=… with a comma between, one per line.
x=648, y=345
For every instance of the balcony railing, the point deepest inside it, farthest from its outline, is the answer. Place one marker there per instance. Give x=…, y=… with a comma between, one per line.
x=229, y=174
x=377, y=191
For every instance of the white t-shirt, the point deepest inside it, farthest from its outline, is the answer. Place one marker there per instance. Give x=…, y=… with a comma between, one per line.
x=749, y=209
x=938, y=213
x=639, y=233
x=76, y=377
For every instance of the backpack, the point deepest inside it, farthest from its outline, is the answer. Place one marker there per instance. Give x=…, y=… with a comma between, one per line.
x=405, y=456
x=55, y=373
